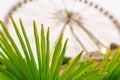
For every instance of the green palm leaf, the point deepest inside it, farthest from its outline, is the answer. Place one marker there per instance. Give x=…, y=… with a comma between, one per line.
x=16, y=67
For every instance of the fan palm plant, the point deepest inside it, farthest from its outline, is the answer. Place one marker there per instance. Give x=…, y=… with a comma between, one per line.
x=15, y=66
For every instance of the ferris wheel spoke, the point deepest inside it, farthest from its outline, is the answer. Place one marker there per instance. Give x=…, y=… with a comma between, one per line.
x=62, y=31
x=77, y=39
x=91, y=36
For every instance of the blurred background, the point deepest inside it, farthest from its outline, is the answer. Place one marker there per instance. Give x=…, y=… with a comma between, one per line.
x=98, y=30
x=113, y=6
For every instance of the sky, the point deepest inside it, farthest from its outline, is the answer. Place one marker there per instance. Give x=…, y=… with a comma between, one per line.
x=112, y=6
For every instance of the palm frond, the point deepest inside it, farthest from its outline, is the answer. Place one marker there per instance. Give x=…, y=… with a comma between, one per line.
x=15, y=66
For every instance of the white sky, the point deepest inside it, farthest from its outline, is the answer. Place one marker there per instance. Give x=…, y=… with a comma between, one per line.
x=112, y=6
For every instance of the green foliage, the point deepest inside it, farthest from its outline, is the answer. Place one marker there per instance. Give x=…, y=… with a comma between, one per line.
x=16, y=67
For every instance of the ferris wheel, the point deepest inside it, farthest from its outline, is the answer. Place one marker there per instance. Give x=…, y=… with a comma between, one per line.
x=87, y=26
